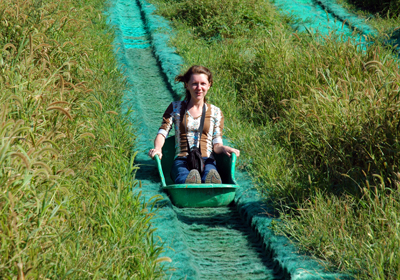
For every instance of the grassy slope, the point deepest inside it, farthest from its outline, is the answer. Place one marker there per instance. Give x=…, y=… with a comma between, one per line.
x=66, y=162
x=316, y=121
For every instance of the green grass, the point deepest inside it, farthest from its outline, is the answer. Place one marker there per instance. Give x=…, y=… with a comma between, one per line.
x=67, y=210
x=361, y=235
x=316, y=121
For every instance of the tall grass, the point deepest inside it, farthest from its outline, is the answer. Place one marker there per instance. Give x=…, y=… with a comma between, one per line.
x=360, y=235
x=66, y=163
x=317, y=122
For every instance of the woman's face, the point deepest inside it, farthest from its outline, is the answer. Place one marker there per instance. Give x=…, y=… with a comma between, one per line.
x=198, y=86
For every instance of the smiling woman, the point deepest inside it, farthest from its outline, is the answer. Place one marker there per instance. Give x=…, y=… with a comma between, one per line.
x=198, y=128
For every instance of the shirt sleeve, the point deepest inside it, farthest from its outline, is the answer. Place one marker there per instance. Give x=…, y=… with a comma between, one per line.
x=167, y=121
x=219, y=126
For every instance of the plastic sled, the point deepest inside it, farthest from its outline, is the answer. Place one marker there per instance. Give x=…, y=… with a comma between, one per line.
x=198, y=195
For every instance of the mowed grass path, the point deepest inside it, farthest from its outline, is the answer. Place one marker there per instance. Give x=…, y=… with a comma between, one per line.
x=66, y=163
x=317, y=123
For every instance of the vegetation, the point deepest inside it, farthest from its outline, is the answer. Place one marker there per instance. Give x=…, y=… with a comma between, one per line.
x=66, y=162
x=382, y=15
x=317, y=121
x=384, y=7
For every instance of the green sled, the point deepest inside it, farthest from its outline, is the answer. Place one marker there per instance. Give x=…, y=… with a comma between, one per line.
x=198, y=195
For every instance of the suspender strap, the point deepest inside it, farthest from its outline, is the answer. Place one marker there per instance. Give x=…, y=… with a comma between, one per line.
x=203, y=116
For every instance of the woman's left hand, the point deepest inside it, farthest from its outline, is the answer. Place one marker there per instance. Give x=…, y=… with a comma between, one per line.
x=228, y=151
x=218, y=148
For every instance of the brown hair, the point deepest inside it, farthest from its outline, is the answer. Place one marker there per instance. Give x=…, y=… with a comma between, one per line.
x=195, y=69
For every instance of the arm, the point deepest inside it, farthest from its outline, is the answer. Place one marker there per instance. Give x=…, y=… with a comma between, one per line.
x=158, y=144
x=219, y=148
x=166, y=126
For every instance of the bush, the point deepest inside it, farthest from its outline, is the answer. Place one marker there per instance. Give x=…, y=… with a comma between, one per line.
x=220, y=19
x=384, y=7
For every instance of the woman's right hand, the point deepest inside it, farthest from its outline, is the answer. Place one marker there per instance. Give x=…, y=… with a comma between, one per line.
x=154, y=152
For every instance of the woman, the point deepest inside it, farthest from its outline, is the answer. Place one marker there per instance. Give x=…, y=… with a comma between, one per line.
x=186, y=116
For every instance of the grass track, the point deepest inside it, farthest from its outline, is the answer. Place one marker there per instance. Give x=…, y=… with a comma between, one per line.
x=187, y=244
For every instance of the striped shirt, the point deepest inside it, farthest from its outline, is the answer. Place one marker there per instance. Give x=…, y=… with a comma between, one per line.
x=212, y=130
